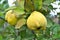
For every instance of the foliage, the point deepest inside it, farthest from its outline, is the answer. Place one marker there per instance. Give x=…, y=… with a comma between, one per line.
x=23, y=9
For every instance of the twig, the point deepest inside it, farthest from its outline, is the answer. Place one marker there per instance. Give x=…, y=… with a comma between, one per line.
x=3, y=19
x=34, y=35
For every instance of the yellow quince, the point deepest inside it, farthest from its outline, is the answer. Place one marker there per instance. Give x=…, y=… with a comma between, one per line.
x=36, y=21
x=11, y=17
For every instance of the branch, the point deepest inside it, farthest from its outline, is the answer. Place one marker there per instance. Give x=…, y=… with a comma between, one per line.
x=3, y=19
x=34, y=35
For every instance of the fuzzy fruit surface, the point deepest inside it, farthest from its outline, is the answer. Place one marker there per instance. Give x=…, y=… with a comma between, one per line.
x=11, y=17
x=36, y=21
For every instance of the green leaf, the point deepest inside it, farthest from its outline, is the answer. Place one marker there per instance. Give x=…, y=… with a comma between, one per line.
x=9, y=29
x=1, y=38
x=1, y=22
x=30, y=34
x=47, y=5
x=19, y=7
x=50, y=7
x=26, y=35
x=10, y=8
x=3, y=5
x=1, y=14
x=58, y=3
x=20, y=3
x=37, y=4
x=18, y=38
x=47, y=2
x=28, y=5
x=11, y=39
x=18, y=11
x=20, y=23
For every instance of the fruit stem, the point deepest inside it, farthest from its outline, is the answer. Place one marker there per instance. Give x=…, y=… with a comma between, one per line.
x=34, y=35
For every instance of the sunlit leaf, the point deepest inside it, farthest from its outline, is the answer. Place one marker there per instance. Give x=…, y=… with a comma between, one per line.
x=20, y=23
x=10, y=8
x=18, y=11
x=1, y=38
x=20, y=3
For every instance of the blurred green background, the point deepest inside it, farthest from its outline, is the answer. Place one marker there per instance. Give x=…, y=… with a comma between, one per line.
x=8, y=32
